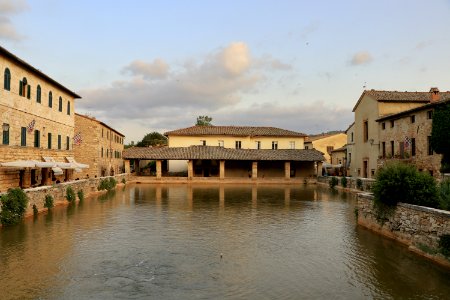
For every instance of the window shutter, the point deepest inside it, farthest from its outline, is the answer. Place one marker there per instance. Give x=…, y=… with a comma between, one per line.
x=20, y=88
x=28, y=91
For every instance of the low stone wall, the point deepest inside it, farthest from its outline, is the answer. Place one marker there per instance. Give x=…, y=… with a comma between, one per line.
x=36, y=196
x=416, y=226
x=351, y=182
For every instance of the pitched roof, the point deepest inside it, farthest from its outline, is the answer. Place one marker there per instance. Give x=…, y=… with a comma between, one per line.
x=416, y=109
x=234, y=131
x=216, y=152
x=37, y=72
x=342, y=149
x=316, y=137
x=395, y=96
x=100, y=122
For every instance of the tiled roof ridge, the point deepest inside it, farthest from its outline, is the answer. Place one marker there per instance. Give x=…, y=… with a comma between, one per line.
x=234, y=130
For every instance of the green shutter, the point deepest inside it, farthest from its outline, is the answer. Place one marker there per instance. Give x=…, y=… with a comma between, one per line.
x=20, y=88
x=28, y=91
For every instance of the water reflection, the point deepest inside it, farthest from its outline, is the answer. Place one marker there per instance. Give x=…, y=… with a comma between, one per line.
x=165, y=241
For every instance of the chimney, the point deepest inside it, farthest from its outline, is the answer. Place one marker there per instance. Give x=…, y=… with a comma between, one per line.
x=435, y=96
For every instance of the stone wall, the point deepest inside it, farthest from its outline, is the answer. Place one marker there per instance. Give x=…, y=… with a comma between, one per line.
x=351, y=182
x=418, y=227
x=36, y=196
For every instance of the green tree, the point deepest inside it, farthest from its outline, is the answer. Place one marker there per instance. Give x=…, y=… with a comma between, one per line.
x=152, y=139
x=440, y=135
x=203, y=121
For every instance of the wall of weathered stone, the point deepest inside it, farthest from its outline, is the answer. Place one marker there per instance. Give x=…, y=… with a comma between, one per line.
x=36, y=196
x=416, y=226
x=351, y=182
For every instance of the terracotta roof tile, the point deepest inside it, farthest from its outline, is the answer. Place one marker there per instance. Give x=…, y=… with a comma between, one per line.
x=215, y=152
x=234, y=131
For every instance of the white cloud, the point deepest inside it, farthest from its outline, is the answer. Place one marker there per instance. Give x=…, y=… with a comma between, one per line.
x=7, y=8
x=157, y=69
x=236, y=58
x=361, y=58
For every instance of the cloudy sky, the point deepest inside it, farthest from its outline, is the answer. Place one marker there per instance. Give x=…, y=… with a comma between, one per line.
x=144, y=66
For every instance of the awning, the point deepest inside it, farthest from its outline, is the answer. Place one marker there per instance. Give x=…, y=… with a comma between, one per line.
x=19, y=164
x=77, y=165
x=57, y=171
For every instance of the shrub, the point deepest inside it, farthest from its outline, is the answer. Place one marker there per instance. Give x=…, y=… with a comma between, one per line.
x=80, y=194
x=400, y=182
x=14, y=204
x=48, y=202
x=359, y=184
x=344, y=181
x=107, y=184
x=444, y=244
x=35, y=210
x=70, y=194
x=333, y=182
x=444, y=194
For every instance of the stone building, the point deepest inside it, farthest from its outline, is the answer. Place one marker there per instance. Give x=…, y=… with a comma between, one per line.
x=98, y=145
x=406, y=136
x=326, y=143
x=37, y=115
x=233, y=137
x=350, y=147
x=371, y=106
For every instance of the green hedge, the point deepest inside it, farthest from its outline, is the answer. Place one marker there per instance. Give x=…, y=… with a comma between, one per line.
x=107, y=184
x=400, y=182
x=14, y=204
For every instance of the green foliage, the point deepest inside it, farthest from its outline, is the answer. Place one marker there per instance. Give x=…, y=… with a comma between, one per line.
x=80, y=194
x=48, y=201
x=152, y=139
x=35, y=210
x=14, y=204
x=70, y=194
x=444, y=194
x=107, y=184
x=333, y=182
x=444, y=244
x=440, y=135
x=359, y=184
x=400, y=182
x=344, y=181
x=203, y=121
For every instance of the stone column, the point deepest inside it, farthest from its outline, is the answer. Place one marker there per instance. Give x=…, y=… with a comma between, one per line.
x=190, y=169
x=287, y=169
x=46, y=176
x=127, y=166
x=254, y=170
x=319, y=169
x=158, y=169
x=222, y=169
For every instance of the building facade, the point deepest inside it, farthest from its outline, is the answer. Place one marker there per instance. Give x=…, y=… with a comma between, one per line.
x=98, y=145
x=326, y=143
x=350, y=148
x=37, y=116
x=232, y=137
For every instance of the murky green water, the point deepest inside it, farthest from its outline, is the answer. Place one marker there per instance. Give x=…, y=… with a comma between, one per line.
x=166, y=241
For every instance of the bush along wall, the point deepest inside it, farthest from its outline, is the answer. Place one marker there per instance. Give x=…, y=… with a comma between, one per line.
x=13, y=203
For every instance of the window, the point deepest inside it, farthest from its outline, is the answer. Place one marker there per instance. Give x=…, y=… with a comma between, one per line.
x=372, y=172
x=23, y=136
x=392, y=123
x=429, y=114
x=59, y=142
x=50, y=99
x=5, y=134
x=238, y=144
x=60, y=104
x=430, y=149
x=68, y=108
x=7, y=80
x=221, y=143
x=352, y=136
x=349, y=158
x=392, y=149
x=37, y=138
x=274, y=145
x=258, y=144
x=366, y=130
x=203, y=142
x=67, y=143
x=383, y=126
x=291, y=145
x=413, y=147
x=329, y=149
x=383, y=149
x=102, y=132
x=306, y=147
x=38, y=94
x=413, y=119
x=23, y=87
x=49, y=140
x=28, y=91
x=102, y=152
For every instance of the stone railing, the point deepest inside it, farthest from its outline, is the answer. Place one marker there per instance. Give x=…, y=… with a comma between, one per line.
x=36, y=196
x=352, y=182
x=416, y=226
